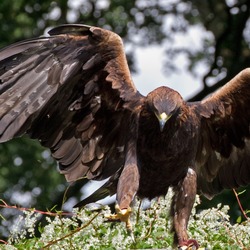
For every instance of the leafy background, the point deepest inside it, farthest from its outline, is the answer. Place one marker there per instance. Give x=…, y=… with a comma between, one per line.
x=28, y=175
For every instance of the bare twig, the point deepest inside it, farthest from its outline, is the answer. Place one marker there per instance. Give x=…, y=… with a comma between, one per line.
x=71, y=233
x=5, y=205
x=240, y=206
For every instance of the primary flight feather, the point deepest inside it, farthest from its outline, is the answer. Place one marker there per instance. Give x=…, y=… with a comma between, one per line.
x=73, y=92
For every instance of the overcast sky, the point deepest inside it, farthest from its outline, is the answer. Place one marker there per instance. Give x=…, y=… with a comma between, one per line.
x=150, y=62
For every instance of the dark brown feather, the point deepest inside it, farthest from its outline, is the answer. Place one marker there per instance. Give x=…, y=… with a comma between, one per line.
x=223, y=158
x=57, y=89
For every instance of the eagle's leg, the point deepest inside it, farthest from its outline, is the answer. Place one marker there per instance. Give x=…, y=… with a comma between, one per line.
x=127, y=187
x=128, y=183
x=182, y=205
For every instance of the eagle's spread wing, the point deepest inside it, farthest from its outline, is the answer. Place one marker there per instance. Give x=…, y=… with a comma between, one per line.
x=73, y=92
x=224, y=152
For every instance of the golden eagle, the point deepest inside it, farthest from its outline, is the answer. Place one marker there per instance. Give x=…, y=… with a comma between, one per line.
x=74, y=93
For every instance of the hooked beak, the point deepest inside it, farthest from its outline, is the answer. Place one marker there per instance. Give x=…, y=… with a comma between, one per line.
x=163, y=118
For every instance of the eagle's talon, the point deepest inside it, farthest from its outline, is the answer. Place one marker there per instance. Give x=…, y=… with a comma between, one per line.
x=121, y=215
x=189, y=245
x=188, y=248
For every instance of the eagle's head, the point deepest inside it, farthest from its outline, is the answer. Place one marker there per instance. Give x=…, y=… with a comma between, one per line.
x=164, y=102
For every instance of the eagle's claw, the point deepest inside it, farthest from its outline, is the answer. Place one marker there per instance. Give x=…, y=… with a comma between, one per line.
x=121, y=215
x=189, y=245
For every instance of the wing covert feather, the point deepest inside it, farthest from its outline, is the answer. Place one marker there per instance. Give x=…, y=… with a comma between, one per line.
x=72, y=91
x=223, y=158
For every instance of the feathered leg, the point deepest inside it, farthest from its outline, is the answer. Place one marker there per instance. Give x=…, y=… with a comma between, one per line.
x=182, y=205
x=127, y=187
x=128, y=183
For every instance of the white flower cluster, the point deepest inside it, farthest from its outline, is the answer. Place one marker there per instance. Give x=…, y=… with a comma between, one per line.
x=24, y=226
x=212, y=229
x=151, y=229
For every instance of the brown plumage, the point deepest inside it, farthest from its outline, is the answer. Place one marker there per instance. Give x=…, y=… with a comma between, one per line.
x=73, y=92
